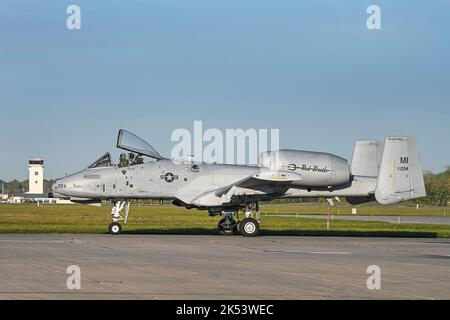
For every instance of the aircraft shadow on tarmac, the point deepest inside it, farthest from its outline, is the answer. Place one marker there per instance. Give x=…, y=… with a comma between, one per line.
x=205, y=231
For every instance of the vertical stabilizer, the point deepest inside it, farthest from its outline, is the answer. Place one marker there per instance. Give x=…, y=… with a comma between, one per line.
x=401, y=177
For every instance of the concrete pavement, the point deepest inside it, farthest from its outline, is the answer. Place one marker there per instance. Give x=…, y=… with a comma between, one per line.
x=215, y=267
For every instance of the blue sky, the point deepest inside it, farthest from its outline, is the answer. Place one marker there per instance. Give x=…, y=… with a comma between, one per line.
x=310, y=68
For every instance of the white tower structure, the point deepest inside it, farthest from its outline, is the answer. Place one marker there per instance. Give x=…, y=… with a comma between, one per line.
x=36, y=176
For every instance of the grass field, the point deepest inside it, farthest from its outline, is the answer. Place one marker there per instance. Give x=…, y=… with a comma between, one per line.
x=366, y=210
x=174, y=220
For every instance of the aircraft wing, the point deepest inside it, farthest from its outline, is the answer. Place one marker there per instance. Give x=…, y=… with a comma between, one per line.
x=262, y=183
x=262, y=179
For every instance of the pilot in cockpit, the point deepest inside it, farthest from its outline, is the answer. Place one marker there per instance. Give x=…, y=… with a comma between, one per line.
x=138, y=159
x=131, y=159
x=123, y=160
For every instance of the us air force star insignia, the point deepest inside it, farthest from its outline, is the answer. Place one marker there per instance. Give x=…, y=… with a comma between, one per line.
x=170, y=177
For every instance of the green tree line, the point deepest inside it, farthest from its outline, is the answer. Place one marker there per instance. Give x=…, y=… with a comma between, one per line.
x=438, y=188
x=17, y=186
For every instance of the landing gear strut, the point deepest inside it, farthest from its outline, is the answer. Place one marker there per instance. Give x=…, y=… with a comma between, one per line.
x=118, y=215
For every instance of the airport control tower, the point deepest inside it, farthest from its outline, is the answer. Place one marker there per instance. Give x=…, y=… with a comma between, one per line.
x=36, y=176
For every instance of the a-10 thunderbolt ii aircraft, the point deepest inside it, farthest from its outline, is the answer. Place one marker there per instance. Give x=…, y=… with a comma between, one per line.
x=387, y=172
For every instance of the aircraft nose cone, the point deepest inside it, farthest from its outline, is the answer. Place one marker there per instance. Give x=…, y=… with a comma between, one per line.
x=58, y=185
x=55, y=186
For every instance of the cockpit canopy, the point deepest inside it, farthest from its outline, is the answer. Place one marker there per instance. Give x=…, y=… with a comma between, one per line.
x=130, y=142
x=104, y=161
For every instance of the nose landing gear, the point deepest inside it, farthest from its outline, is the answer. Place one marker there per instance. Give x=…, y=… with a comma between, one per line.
x=118, y=215
x=115, y=228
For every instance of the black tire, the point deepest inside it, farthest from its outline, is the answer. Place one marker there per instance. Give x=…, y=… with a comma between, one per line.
x=249, y=227
x=115, y=229
x=226, y=229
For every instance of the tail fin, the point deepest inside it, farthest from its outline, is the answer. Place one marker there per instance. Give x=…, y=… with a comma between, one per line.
x=400, y=177
x=367, y=158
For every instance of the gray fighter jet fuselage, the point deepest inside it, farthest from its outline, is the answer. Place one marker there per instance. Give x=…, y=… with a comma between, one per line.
x=388, y=172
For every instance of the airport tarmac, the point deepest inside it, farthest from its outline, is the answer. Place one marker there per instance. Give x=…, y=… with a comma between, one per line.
x=217, y=267
x=390, y=219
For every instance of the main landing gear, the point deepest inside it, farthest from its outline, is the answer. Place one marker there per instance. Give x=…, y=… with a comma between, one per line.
x=119, y=212
x=249, y=227
x=227, y=226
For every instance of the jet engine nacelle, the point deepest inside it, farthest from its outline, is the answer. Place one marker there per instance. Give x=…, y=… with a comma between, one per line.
x=317, y=169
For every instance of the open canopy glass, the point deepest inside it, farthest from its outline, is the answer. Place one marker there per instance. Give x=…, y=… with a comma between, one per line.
x=104, y=161
x=130, y=142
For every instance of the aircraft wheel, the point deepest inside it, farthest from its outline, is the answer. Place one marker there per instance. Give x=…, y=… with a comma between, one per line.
x=227, y=227
x=249, y=227
x=115, y=229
